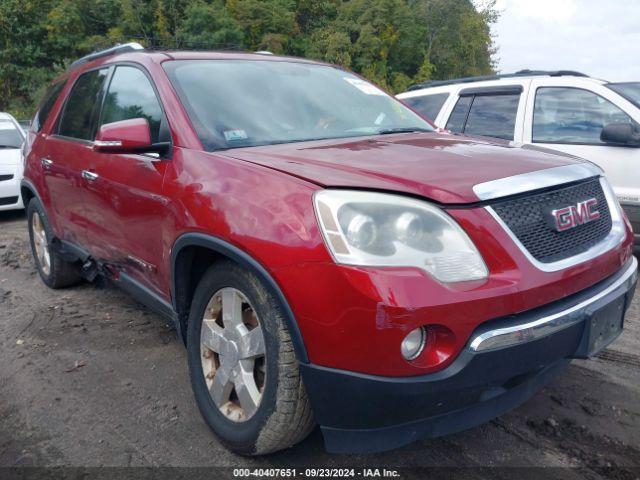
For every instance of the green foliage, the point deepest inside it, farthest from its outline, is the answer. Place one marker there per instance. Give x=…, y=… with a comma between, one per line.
x=394, y=43
x=208, y=25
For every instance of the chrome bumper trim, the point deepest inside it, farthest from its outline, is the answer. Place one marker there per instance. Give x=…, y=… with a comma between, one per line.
x=542, y=327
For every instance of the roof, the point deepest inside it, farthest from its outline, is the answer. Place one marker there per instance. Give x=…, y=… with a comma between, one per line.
x=518, y=74
x=136, y=48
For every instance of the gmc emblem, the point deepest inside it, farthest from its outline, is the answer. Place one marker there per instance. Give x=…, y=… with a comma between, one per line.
x=570, y=217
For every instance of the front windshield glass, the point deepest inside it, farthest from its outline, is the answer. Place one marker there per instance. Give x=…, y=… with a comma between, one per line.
x=630, y=91
x=237, y=103
x=10, y=136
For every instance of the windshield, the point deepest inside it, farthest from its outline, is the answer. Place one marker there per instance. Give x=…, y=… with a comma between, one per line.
x=630, y=91
x=236, y=103
x=10, y=136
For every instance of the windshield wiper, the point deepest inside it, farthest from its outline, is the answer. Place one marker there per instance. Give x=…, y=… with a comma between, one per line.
x=9, y=146
x=388, y=131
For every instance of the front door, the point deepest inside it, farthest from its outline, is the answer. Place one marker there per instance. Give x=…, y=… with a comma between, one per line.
x=570, y=119
x=126, y=194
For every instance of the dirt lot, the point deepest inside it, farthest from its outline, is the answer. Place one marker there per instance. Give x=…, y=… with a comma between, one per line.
x=90, y=378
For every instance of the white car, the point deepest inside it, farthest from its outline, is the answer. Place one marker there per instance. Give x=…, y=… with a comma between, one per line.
x=562, y=110
x=11, y=164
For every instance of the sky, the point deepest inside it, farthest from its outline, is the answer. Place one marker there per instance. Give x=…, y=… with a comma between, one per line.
x=598, y=37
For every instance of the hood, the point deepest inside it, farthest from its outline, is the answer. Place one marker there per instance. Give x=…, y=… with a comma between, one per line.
x=10, y=156
x=440, y=167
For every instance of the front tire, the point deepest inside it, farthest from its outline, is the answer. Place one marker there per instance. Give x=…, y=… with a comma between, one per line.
x=53, y=270
x=243, y=368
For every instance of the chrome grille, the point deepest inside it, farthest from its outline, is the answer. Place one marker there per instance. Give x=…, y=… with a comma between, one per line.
x=527, y=218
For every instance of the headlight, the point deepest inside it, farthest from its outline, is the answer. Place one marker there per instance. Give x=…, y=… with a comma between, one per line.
x=378, y=229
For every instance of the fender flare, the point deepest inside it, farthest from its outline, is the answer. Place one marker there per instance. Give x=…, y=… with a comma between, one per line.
x=242, y=258
x=24, y=183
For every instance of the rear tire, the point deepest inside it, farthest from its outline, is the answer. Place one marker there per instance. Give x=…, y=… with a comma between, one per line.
x=283, y=415
x=53, y=270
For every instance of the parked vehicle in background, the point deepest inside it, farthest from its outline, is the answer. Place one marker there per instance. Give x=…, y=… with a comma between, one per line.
x=325, y=254
x=564, y=110
x=11, y=162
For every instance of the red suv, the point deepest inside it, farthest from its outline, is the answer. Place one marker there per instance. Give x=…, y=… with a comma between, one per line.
x=324, y=253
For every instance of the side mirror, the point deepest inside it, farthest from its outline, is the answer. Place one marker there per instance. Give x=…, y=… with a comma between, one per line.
x=127, y=136
x=620, y=134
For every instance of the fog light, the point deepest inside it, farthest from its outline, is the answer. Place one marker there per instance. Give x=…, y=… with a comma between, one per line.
x=413, y=343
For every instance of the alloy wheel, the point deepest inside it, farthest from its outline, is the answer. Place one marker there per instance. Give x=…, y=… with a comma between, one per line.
x=233, y=354
x=40, y=243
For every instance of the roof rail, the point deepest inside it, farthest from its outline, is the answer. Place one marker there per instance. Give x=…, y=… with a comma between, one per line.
x=520, y=73
x=127, y=47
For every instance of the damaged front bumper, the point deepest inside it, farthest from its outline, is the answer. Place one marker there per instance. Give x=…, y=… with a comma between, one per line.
x=506, y=362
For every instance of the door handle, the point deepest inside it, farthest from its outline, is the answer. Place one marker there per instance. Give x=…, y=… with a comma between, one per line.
x=46, y=162
x=90, y=176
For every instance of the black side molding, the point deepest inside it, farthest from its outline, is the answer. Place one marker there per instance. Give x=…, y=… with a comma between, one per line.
x=69, y=251
x=145, y=296
x=234, y=253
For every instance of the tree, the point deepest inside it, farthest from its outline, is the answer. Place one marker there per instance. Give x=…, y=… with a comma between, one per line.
x=25, y=65
x=457, y=36
x=384, y=40
x=393, y=42
x=208, y=26
x=263, y=20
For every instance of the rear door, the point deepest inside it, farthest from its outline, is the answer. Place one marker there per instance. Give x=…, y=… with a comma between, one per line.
x=126, y=194
x=68, y=154
x=492, y=111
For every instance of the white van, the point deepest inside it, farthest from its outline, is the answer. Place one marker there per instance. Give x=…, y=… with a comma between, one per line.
x=563, y=110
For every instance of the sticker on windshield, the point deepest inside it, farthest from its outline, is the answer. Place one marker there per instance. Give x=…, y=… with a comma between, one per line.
x=380, y=119
x=364, y=87
x=235, y=135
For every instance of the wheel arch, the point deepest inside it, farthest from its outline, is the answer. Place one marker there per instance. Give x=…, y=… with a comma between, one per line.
x=191, y=247
x=28, y=192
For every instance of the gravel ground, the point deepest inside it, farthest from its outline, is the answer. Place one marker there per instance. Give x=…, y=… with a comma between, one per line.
x=91, y=378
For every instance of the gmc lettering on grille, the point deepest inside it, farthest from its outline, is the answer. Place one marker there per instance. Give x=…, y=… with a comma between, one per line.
x=571, y=216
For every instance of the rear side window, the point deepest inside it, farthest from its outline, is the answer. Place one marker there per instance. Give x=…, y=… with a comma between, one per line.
x=485, y=114
x=427, y=105
x=47, y=104
x=459, y=115
x=630, y=91
x=493, y=116
x=573, y=115
x=79, y=118
x=131, y=95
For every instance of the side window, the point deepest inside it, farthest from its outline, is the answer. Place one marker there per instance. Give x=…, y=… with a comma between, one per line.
x=131, y=95
x=47, y=104
x=459, y=114
x=572, y=115
x=493, y=116
x=83, y=105
x=427, y=105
